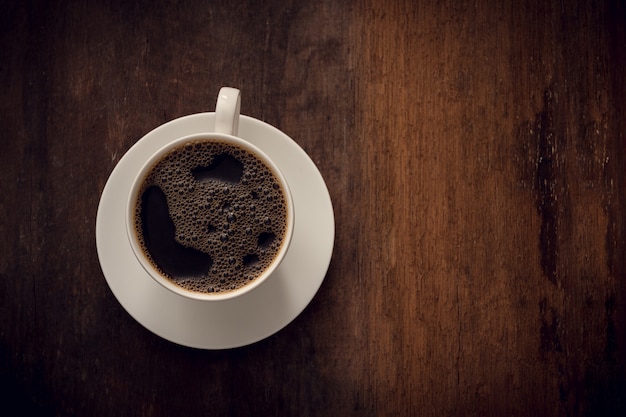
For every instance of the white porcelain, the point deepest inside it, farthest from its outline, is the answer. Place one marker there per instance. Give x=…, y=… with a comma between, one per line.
x=131, y=204
x=252, y=316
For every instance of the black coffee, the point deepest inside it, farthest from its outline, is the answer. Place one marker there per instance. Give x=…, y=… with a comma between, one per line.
x=211, y=216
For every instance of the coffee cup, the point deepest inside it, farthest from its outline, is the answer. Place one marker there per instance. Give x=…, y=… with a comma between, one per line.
x=210, y=216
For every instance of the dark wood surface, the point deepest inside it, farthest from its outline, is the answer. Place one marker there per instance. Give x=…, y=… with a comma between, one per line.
x=474, y=152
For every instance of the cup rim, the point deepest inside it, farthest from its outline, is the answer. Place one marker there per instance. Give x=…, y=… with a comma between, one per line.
x=132, y=198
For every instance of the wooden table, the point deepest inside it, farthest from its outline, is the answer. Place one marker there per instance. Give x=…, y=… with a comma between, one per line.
x=474, y=152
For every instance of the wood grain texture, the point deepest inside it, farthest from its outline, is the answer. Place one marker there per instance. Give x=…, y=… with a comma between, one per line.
x=474, y=152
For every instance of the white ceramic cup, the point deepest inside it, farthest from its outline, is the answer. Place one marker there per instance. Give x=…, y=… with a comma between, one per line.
x=226, y=127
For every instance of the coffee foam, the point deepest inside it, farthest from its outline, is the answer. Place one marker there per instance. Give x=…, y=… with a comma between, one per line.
x=224, y=203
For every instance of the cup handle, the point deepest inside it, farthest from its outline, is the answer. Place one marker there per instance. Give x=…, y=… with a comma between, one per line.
x=227, y=111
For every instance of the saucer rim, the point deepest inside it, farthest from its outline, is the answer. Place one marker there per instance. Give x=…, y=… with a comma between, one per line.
x=301, y=169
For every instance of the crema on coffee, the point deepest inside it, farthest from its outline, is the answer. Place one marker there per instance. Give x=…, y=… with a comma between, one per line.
x=210, y=216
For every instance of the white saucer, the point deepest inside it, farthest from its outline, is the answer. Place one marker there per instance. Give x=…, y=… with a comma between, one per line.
x=253, y=316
